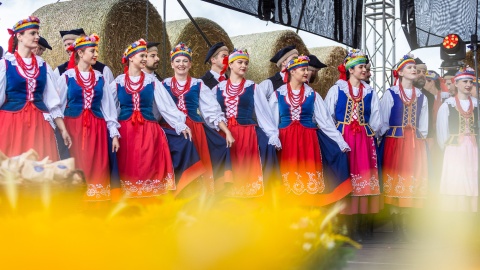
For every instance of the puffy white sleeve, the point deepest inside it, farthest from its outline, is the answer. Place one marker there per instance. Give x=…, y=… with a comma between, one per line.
x=109, y=111
x=167, y=108
x=209, y=107
x=3, y=81
x=386, y=104
x=273, y=104
x=51, y=97
x=443, y=132
x=108, y=75
x=266, y=87
x=56, y=73
x=375, y=121
x=62, y=91
x=265, y=118
x=112, y=88
x=331, y=100
x=423, y=121
x=325, y=122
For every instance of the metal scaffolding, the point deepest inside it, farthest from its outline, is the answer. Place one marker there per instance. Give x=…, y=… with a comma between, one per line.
x=379, y=41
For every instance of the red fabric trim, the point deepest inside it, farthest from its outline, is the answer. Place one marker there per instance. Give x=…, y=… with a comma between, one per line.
x=192, y=173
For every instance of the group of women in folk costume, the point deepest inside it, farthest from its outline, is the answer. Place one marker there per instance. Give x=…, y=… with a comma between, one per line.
x=232, y=137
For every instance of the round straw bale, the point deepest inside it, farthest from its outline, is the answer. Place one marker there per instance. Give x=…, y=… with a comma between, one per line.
x=184, y=31
x=117, y=22
x=262, y=47
x=469, y=59
x=332, y=56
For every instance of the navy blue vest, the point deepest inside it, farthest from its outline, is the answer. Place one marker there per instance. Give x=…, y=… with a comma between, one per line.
x=75, y=98
x=246, y=105
x=455, y=121
x=146, y=102
x=306, y=113
x=344, y=107
x=398, y=116
x=191, y=101
x=16, y=89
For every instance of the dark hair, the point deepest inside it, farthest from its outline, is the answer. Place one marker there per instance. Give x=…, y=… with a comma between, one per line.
x=15, y=42
x=437, y=85
x=77, y=56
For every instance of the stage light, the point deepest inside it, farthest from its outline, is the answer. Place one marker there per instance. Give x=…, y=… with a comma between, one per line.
x=452, y=48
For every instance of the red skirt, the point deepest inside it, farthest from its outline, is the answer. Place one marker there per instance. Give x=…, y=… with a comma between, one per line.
x=90, y=150
x=365, y=197
x=301, y=160
x=247, y=175
x=27, y=129
x=144, y=160
x=405, y=170
x=200, y=141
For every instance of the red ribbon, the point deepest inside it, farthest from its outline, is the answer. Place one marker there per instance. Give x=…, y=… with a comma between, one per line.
x=285, y=78
x=232, y=122
x=343, y=72
x=10, y=41
x=356, y=128
x=71, y=62
x=137, y=117
x=225, y=65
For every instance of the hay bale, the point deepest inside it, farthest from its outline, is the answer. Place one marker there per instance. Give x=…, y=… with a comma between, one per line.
x=332, y=56
x=184, y=31
x=262, y=47
x=117, y=22
x=469, y=60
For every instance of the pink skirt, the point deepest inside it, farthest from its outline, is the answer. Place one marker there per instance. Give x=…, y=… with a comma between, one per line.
x=365, y=197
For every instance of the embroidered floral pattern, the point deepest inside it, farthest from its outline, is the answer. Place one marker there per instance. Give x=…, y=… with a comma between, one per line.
x=314, y=185
x=147, y=188
x=98, y=192
x=252, y=189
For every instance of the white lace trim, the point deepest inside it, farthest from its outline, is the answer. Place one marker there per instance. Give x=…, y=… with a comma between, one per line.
x=10, y=57
x=98, y=192
x=218, y=120
x=71, y=74
x=56, y=112
x=308, y=90
x=148, y=79
x=113, y=131
x=396, y=90
x=451, y=101
x=223, y=85
x=343, y=85
x=180, y=127
x=275, y=141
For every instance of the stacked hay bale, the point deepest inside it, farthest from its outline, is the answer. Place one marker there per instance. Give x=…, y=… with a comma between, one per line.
x=117, y=22
x=262, y=47
x=184, y=31
x=331, y=56
x=469, y=59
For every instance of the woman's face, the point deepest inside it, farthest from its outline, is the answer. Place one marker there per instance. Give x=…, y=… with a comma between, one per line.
x=464, y=86
x=408, y=72
x=239, y=67
x=29, y=38
x=299, y=75
x=89, y=55
x=359, y=72
x=181, y=65
x=139, y=60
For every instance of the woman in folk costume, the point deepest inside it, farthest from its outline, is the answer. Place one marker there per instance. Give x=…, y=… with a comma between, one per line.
x=456, y=133
x=355, y=108
x=253, y=154
x=26, y=93
x=299, y=112
x=192, y=97
x=404, y=111
x=144, y=161
x=90, y=113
